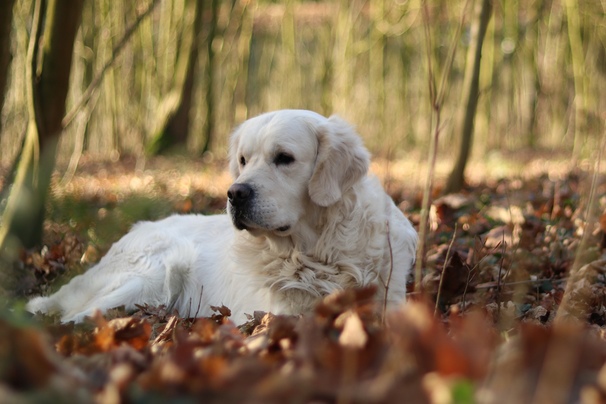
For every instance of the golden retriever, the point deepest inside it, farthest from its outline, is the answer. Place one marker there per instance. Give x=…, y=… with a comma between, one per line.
x=304, y=220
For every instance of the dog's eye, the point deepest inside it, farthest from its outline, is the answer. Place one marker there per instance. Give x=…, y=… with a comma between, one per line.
x=242, y=161
x=283, y=159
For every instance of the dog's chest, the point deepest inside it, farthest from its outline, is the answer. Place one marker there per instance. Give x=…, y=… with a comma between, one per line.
x=297, y=281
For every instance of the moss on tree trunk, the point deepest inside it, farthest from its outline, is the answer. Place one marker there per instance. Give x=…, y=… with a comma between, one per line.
x=6, y=17
x=49, y=65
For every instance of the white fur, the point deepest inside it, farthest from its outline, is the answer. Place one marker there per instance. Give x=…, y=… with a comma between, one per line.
x=316, y=225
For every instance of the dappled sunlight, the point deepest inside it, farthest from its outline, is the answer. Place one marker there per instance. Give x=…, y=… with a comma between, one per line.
x=413, y=168
x=180, y=177
x=175, y=179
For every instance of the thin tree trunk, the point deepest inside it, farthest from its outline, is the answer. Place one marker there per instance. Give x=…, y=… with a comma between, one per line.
x=532, y=134
x=376, y=64
x=172, y=128
x=49, y=64
x=178, y=125
x=342, y=55
x=470, y=94
x=537, y=93
x=210, y=77
x=245, y=41
x=578, y=68
x=61, y=24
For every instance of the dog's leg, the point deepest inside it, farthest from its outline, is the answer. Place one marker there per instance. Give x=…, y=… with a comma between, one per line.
x=175, y=284
x=127, y=294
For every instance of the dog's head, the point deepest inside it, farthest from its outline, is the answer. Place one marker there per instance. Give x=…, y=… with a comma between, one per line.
x=285, y=161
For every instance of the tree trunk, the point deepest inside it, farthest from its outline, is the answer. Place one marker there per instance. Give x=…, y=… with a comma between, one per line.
x=240, y=74
x=6, y=19
x=172, y=127
x=48, y=71
x=579, y=74
x=210, y=77
x=470, y=94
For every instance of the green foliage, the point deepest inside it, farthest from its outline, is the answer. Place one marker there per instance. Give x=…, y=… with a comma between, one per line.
x=104, y=222
x=14, y=314
x=463, y=392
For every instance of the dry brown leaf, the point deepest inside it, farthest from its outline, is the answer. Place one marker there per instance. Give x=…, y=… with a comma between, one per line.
x=27, y=362
x=353, y=334
x=500, y=237
x=128, y=330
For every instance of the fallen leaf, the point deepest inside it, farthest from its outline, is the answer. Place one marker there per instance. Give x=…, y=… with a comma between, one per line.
x=353, y=335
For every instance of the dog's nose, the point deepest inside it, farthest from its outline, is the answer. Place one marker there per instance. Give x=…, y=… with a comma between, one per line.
x=238, y=194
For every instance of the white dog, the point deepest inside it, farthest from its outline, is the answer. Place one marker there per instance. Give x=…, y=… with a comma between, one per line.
x=303, y=220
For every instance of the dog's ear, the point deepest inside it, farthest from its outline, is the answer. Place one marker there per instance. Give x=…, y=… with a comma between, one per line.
x=342, y=161
x=234, y=165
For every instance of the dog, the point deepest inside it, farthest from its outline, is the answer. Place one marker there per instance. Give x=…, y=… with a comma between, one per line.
x=304, y=219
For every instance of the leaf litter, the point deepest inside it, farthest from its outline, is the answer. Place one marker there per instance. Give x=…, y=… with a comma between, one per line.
x=520, y=317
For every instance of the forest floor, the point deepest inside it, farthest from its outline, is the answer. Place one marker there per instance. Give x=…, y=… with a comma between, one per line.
x=519, y=278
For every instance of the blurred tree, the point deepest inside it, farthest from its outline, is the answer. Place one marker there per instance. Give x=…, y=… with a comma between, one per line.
x=529, y=77
x=48, y=71
x=577, y=54
x=239, y=76
x=6, y=18
x=172, y=125
x=210, y=76
x=470, y=94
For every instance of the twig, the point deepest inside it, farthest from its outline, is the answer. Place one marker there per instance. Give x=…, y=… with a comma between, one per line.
x=556, y=200
x=454, y=235
x=199, y=302
x=437, y=97
x=33, y=100
x=69, y=117
x=469, y=278
x=386, y=284
x=590, y=219
x=499, y=278
x=428, y=46
x=471, y=270
x=489, y=285
x=167, y=331
x=79, y=142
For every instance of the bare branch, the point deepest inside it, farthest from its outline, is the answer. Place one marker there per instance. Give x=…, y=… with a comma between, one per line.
x=386, y=284
x=454, y=235
x=69, y=117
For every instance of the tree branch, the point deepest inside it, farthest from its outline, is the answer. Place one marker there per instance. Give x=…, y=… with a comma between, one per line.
x=69, y=117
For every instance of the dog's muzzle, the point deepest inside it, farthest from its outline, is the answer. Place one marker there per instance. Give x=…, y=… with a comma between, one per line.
x=240, y=197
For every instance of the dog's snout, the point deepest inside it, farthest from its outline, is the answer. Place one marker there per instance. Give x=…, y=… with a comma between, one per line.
x=239, y=194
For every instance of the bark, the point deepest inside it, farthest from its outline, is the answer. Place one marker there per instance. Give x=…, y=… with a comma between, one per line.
x=470, y=97
x=210, y=77
x=6, y=19
x=62, y=22
x=49, y=65
x=172, y=127
x=240, y=101
x=579, y=74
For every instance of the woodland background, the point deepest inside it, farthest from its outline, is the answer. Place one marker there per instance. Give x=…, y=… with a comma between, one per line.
x=541, y=84
x=117, y=111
